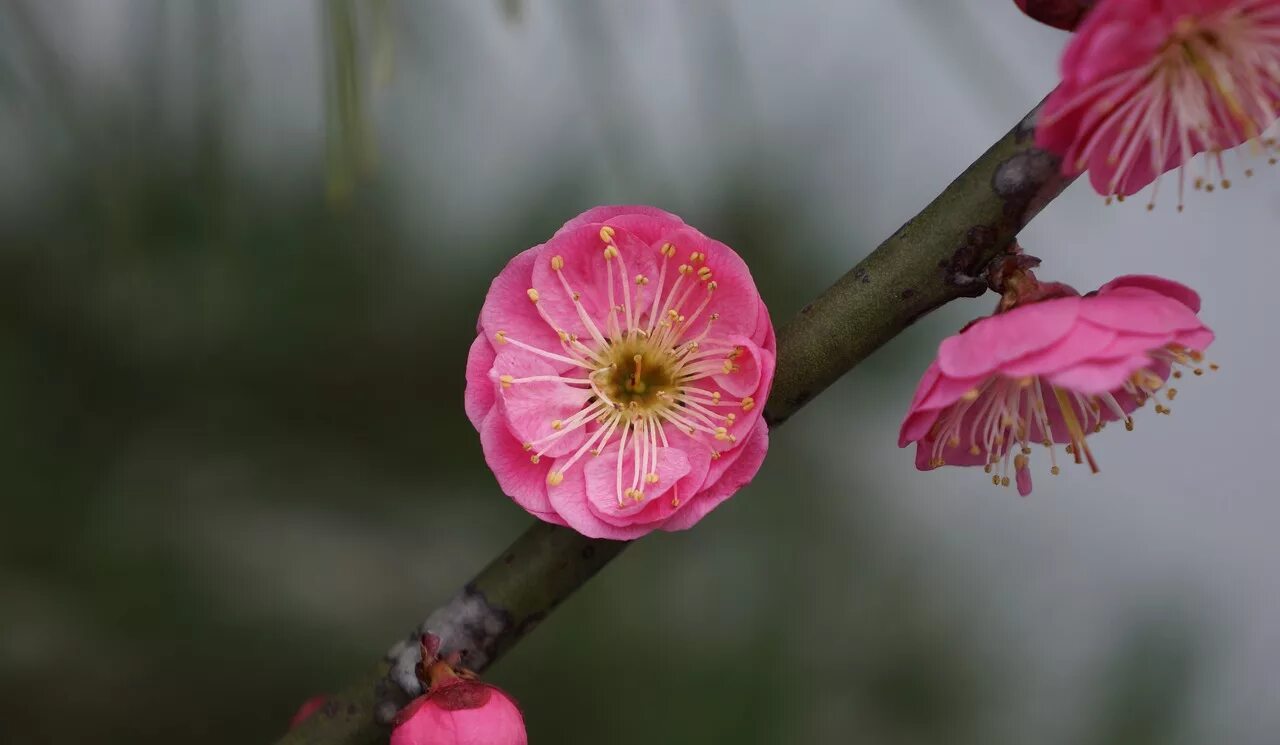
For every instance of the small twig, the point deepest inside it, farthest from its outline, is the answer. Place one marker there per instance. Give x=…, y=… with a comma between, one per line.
x=938, y=256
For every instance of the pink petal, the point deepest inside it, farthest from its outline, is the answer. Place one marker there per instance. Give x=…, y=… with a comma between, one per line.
x=735, y=289
x=570, y=500
x=530, y=408
x=1166, y=287
x=507, y=307
x=1138, y=310
x=1108, y=48
x=1056, y=127
x=749, y=366
x=1098, y=376
x=523, y=481
x=588, y=274
x=917, y=425
x=949, y=390
x=1127, y=344
x=703, y=470
x=954, y=456
x=924, y=454
x=765, y=337
x=926, y=385
x=428, y=721
x=934, y=394
x=601, y=485
x=701, y=449
x=480, y=393
x=1137, y=176
x=1197, y=339
x=649, y=229
x=608, y=212
x=1084, y=341
x=739, y=474
x=498, y=722
x=995, y=340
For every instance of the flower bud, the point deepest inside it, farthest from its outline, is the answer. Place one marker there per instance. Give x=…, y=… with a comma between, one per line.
x=1063, y=14
x=457, y=712
x=457, y=709
x=309, y=707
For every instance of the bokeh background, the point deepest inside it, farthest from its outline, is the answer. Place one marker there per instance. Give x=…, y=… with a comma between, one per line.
x=242, y=245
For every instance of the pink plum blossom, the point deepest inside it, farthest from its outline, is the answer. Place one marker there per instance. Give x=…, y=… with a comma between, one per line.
x=619, y=374
x=1063, y=14
x=1053, y=372
x=457, y=709
x=1149, y=84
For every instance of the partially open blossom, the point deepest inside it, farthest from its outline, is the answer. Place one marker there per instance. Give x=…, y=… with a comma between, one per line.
x=1052, y=373
x=1063, y=14
x=457, y=709
x=309, y=707
x=1148, y=84
x=619, y=374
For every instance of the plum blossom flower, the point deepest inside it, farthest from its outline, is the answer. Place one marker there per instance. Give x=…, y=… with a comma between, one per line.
x=1149, y=84
x=457, y=709
x=1063, y=14
x=1053, y=372
x=619, y=374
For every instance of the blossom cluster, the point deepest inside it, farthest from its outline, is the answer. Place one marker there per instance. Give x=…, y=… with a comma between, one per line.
x=621, y=368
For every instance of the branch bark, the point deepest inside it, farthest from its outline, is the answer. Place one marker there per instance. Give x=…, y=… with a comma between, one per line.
x=938, y=256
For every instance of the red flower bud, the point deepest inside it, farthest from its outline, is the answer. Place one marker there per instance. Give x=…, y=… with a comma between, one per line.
x=309, y=707
x=460, y=712
x=457, y=709
x=1063, y=14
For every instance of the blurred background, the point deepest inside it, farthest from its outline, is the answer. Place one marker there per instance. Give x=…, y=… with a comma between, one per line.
x=242, y=245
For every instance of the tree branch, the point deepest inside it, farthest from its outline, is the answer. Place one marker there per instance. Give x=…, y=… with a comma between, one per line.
x=938, y=256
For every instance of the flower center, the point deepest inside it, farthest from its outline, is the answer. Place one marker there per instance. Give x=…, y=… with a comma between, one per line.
x=639, y=377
